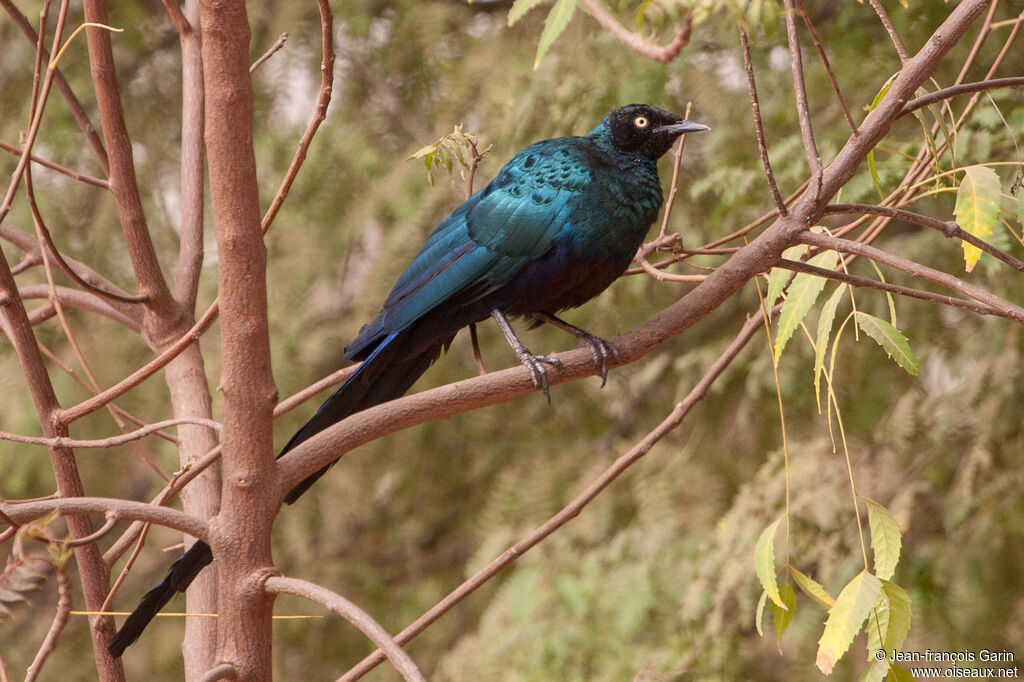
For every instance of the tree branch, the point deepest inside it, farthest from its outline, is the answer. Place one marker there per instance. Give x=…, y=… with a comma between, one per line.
x=74, y=507
x=638, y=43
x=571, y=510
x=353, y=614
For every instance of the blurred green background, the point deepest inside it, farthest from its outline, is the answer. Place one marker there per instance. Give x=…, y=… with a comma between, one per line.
x=655, y=578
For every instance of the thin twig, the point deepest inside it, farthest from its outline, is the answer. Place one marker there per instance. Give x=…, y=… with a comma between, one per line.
x=755, y=106
x=908, y=292
x=961, y=89
x=94, y=403
x=63, y=442
x=894, y=36
x=803, y=111
x=949, y=228
x=319, y=114
x=827, y=64
x=70, y=172
x=278, y=44
x=60, y=620
x=1002, y=307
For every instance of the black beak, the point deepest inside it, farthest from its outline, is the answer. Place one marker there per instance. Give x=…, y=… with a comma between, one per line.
x=681, y=127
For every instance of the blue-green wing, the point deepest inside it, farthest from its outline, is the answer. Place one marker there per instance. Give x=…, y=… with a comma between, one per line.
x=490, y=238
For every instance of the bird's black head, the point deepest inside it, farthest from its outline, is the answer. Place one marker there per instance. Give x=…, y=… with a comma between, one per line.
x=643, y=129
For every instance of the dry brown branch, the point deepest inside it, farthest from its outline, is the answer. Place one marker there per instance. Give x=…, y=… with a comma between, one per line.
x=278, y=44
x=319, y=113
x=866, y=283
x=638, y=43
x=827, y=64
x=60, y=620
x=353, y=614
x=961, y=89
x=123, y=180
x=72, y=298
x=949, y=228
x=999, y=306
x=803, y=112
x=755, y=106
x=894, y=36
x=138, y=376
x=70, y=172
x=571, y=510
x=102, y=443
x=77, y=507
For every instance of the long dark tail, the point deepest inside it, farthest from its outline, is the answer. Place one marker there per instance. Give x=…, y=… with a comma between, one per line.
x=181, y=573
x=387, y=373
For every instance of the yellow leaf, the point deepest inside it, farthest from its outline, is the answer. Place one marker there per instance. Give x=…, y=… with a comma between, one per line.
x=977, y=208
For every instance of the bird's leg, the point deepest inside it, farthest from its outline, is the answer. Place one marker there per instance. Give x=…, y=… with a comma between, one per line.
x=538, y=374
x=600, y=349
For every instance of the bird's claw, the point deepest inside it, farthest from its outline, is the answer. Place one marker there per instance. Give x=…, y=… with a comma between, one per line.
x=601, y=350
x=539, y=375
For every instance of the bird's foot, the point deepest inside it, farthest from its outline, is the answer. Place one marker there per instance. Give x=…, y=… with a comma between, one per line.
x=539, y=375
x=601, y=350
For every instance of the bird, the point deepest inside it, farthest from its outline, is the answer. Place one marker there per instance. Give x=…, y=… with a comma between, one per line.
x=554, y=228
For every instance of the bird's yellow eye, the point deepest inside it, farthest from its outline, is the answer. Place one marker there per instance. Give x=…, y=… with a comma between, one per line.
x=641, y=121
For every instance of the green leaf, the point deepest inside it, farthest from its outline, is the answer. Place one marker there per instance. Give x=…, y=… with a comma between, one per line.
x=891, y=339
x=900, y=615
x=781, y=617
x=759, y=613
x=845, y=619
x=873, y=169
x=778, y=277
x=558, y=19
x=887, y=628
x=825, y=322
x=803, y=292
x=898, y=674
x=977, y=208
x=886, y=541
x=812, y=588
x=764, y=562
x=519, y=9
x=871, y=154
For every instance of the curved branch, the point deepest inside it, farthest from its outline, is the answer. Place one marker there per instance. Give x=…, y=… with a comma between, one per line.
x=353, y=614
x=24, y=512
x=73, y=298
x=637, y=43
